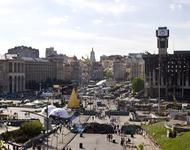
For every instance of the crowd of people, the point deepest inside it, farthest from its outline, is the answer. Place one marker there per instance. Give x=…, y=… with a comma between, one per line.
x=125, y=141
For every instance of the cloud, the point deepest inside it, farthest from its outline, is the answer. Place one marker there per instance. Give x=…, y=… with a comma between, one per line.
x=92, y=38
x=57, y=20
x=178, y=4
x=181, y=1
x=66, y=33
x=174, y=6
x=102, y=7
x=6, y=3
x=5, y=11
x=183, y=25
x=97, y=21
x=77, y=27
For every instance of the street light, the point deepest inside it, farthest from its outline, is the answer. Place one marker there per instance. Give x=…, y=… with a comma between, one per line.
x=47, y=120
x=159, y=83
x=47, y=123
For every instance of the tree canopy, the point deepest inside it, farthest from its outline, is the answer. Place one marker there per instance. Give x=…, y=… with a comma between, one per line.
x=107, y=73
x=137, y=84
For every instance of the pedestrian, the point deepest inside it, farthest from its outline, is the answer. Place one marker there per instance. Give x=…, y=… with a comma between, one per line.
x=126, y=143
x=129, y=140
x=111, y=137
x=33, y=146
x=39, y=147
x=107, y=137
x=122, y=141
x=119, y=131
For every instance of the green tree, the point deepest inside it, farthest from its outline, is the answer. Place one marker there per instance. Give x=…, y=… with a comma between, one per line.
x=108, y=73
x=32, y=128
x=137, y=84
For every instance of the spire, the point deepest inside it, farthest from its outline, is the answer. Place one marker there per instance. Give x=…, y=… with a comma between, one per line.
x=92, y=55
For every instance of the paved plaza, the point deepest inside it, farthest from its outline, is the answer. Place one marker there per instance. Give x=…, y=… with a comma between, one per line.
x=64, y=138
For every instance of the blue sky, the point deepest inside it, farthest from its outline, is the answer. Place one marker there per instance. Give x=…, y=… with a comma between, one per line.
x=73, y=27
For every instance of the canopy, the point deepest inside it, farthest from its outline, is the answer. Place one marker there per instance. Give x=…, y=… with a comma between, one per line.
x=59, y=112
x=37, y=102
x=50, y=108
x=101, y=82
x=73, y=101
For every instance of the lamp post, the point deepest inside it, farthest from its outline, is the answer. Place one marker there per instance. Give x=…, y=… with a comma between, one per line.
x=47, y=121
x=40, y=86
x=159, y=84
x=47, y=124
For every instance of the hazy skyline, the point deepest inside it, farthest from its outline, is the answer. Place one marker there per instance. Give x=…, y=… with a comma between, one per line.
x=73, y=27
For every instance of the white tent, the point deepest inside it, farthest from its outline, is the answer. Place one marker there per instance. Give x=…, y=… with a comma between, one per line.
x=46, y=94
x=50, y=108
x=59, y=112
x=37, y=102
x=30, y=104
x=101, y=82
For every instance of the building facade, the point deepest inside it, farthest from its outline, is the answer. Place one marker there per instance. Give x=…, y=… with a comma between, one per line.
x=50, y=52
x=24, y=51
x=119, y=70
x=135, y=66
x=167, y=75
x=38, y=70
x=85, y=68
x=72, y=69
x=12, y=73
x=96, y=72
x=174, y=75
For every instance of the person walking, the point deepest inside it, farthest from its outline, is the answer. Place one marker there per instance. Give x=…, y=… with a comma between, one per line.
x=111, y=137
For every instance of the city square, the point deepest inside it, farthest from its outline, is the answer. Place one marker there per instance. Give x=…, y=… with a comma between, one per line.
x=94, y=75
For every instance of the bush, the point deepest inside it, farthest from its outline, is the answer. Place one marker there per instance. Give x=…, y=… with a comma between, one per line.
x=32, y=128
x=137, y=84
x=16, y=136
x=140, y=147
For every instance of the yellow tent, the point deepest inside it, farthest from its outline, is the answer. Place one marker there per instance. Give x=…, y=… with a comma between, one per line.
x=2, y=144
x=73, y=101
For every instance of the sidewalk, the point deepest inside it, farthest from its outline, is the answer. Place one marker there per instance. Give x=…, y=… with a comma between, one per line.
x=61, y=139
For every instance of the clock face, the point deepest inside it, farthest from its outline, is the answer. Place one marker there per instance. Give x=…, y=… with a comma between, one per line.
x=162, y=32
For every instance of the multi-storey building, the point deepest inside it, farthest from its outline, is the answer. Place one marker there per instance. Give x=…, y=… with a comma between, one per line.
x=106, y=62
x=167, y=75
x=119, y=70
x=85, y=68
x=24, y=51
x=38, y=70
x=174, y=75
x=135, y=66
x=96, y=71
x=3, y=76
x=72, y=69
x=67, y=72
x=50, y=52
x=12, y=74
x=59, y=61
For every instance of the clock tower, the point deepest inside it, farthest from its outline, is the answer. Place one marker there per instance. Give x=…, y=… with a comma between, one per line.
x=162, y=34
